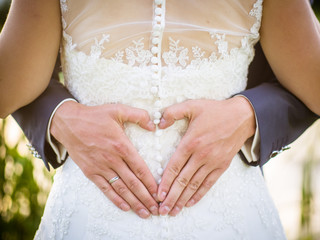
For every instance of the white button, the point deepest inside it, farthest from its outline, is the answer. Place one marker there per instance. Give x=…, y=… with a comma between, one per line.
x=158, y=103
x=155, y=40
x=155, y=76
x=155, y=68
x=156, y=33
x=158, y=133
x=158, y=146
x=160, y=171
x=158, y=2
x=154, y=83
x=158, y=19
x=154, y=50
x=158, y=11
x=157, y=115
x=157, y=27
x=156, y=121
x=154, y=90
x=179, y=99
x=159, y=158
x=154, y=60
x=159, y=181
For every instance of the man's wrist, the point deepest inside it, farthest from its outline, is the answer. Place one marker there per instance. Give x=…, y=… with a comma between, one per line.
x=56, y=146
x=57, y=122
x=247, y=114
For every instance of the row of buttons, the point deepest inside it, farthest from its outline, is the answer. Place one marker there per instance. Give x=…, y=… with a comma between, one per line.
x=158, y=26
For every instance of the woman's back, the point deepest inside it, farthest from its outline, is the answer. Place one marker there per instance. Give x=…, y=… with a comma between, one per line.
x=151, y=55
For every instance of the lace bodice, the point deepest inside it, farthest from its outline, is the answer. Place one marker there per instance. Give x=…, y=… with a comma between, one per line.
x=152, y=54
x=173, y=42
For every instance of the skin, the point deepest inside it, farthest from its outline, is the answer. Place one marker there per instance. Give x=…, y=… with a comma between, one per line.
x=290, y=38
x=216, y=132
x=105, y=151
x=24, y=36
x=199, y=160
x=94, y=136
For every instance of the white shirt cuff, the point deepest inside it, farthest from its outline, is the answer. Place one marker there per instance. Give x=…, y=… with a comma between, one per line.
x=58, y=148
x=251, y=148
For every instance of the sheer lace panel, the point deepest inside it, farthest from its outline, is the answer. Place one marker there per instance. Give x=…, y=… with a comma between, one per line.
x=187, y=30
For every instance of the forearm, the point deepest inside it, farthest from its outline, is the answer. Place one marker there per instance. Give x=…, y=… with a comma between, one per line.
x=281, y=117
x=29, y=45
x=290, y=38
x=34, y=119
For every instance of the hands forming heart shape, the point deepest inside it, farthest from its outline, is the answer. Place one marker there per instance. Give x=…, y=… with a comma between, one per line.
x=95, y=140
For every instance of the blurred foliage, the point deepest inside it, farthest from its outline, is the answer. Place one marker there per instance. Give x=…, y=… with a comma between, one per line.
x=307, y=203
x=22, y=199
x=19, y=206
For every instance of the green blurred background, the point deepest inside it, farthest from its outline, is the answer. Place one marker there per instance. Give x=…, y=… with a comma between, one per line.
x=25, y=183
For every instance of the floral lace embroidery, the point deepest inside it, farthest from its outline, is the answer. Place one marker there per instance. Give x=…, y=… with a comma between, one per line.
x=63, y=5
x=176, y=54
x=188, y=74
x=96, y=49
x=257, y=13
x=137, y=54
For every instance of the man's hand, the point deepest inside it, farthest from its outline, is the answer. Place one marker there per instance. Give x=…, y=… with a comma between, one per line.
x=95, y=140
x=216, y=132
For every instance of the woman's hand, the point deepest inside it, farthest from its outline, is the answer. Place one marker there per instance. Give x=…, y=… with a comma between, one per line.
x=95, y=140
x=216, y=132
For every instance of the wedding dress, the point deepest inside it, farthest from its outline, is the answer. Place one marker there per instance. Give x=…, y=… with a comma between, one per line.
x=150, y=55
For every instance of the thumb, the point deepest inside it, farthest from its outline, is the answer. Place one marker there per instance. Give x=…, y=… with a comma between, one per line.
x=137, y=116
x=173, y=113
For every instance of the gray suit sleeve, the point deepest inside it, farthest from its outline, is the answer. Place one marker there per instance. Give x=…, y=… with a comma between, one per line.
x=281, y=117
x=33, y=118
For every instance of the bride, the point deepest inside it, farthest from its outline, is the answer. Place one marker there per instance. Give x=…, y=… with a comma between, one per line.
x=176, y=61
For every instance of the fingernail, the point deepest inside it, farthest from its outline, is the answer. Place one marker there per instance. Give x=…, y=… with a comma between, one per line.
x=151, y=125
x=175, y=211
x=163, y=196
x=155, y=197
x=190, y=203
x=143, y=213
x=154, y=210
x=124, y=207
x=162, y=122
x=164, y=210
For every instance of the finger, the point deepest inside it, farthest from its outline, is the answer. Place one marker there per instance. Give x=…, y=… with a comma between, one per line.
x=140, y=187
x=108, y=191
x=176, y=163
x=192, y=187
x=206, y=185
x=138, y=116
x=122, y=190
x=173, y=113
x=181, y=183
x=138, y=166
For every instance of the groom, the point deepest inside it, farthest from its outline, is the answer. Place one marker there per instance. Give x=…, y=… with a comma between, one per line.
x=280, y=118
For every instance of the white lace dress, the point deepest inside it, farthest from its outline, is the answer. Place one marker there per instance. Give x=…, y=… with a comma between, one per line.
x=152, y=54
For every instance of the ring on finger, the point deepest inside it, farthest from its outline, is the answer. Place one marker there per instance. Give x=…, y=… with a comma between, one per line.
x=112, y=180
